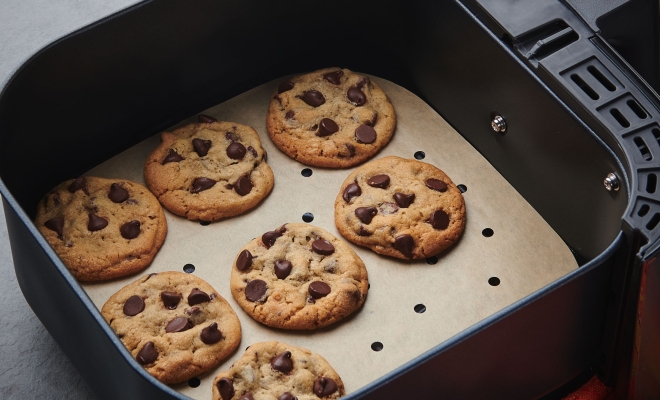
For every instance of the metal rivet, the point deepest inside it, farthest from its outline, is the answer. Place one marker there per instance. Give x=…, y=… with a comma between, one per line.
x=498, y=123
x=611, y=182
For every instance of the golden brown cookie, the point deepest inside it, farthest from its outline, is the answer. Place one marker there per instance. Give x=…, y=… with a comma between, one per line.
x=275, y=370
x=298, y=277
x=400, y=208
x=210, y=170
x=174, y=324
x=102, y=228
x=330, y=118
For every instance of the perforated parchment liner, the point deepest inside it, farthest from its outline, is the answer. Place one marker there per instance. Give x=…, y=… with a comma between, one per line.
x=524, y=252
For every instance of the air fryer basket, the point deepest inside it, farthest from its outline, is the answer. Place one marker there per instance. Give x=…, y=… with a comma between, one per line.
x=110, y=85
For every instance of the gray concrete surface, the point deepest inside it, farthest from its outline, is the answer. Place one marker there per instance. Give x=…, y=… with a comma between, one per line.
x=32, y=365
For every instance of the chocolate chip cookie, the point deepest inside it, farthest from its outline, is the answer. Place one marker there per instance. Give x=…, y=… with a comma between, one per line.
x=274, y=370
x=330, y=118
x=210, y=170
x=102, y=228
x=174, y=324
x=298, y=277
x=401, y=208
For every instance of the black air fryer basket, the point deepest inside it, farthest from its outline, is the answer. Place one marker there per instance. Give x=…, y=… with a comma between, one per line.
x=581, y=145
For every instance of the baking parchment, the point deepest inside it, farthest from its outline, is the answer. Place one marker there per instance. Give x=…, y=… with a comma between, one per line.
x=524, y=253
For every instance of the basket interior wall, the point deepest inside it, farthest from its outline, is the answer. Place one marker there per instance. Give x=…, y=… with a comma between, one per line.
x=103, y=89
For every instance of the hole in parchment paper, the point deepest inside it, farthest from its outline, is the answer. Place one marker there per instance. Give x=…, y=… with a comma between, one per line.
x=432, y=260
x=462, y=188
x=494, y=281
x=193, y=382
x=204, y=223
x=308, y=217
x=420, y=155
x=420, y=308
x=376, y=346
x=188, y=268
x=306, y=172
x=487, y=232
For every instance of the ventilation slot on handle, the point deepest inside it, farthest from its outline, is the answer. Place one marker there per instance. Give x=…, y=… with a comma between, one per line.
x=601, y=78
x=585, y=87
x=643, y=148
x=637, y=109
x=620, y=118
x=653, y=222
x=651, y=183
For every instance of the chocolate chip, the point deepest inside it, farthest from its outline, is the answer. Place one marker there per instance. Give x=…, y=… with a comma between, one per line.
x=327, y=127
x=79, y=183
x=172, y=156
x=197, y=297
x=55, y=224
x=333, y=77
x=117, y=193
x=226, y=388
x=436, y=184
x=170, y=299
x=314, y=98
x=363, y=232
x=191, y=311
x=206, y=119
x=374, y=119
x=244, y=260
x=252, y=150
x=356, y=96
x=282, y=362
x=255, y=290
x=236, y=151
x=388, y=208
x=96, y=223
x=379, y=181
x=179, y=324
x=269, y=238
x=405, y=244
x=283, y=268
x=439, y=220
x=243, y=185
x=133, y=306
x=202, y=184
x=324, y=386
x=211, y=334
x=148, y=354
x=285, y=87
x=201, y=146
x=363, y=81
x=365, y=134
x=287, y=396
x=231, y=136
x=404, y=200
x=130, y=230
x=352, y=190
x=247, y=396
x=366, y=214
x=289, y=114
x=318, y=289
x=351, y=151
x=323, y=247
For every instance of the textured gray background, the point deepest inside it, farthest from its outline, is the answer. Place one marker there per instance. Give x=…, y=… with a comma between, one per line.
x=33, y=366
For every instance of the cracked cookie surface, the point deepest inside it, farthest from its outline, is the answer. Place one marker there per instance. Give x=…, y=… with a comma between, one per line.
x=174, y=324
x=102, y=228
x=298, y=277
x=330, y=118
x=209, y=170
x=275, y=370
x=400, y=208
